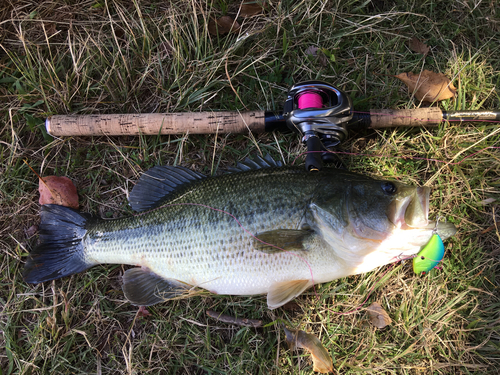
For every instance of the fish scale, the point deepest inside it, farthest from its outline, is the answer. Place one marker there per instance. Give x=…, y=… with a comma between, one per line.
x=263, y=230
x=179, y=248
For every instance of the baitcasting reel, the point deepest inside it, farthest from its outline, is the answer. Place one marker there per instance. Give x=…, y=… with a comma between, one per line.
x=320, y=113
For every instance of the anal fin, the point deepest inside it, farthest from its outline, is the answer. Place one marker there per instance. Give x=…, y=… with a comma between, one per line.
x=283, y=292
x=145, y=288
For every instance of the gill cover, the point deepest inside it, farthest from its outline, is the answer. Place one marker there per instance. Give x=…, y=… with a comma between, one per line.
x=362, y=210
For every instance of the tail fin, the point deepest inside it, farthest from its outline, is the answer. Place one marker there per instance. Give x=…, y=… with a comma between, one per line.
x=60, y=250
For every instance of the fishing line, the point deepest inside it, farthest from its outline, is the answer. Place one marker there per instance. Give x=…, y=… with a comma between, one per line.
x=424, y=120
x=431, y=248
x=302, y=258
x=393, y=264
x=398, y=157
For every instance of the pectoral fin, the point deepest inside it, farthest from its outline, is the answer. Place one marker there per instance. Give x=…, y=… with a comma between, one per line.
x=278, y=240
x=145, y=288
x=285, y=291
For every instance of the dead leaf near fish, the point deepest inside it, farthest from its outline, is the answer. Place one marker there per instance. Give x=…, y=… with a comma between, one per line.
x=143, y=312
x=322, y=361
x=428, y=86
x=378, y=316
x=58, y=190
x=249, y=8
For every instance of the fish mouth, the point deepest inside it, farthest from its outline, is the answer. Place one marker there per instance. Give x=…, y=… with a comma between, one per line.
x=410, y=209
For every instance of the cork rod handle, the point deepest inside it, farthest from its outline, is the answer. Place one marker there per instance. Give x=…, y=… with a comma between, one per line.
x=386, y=118
x=156, y=123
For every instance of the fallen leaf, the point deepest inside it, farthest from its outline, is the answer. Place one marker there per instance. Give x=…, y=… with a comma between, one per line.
x=418, y=46
x=487, y=201
x=223, y=25
x=312, y=51
x=31, y=231
x=143, y=312
x=251, y=8
x=323, y=59
x=291, y=306
x=489, y=229
x=296, y=338
x=428, y=86
x=378, y=316
x=58, y=190
x=318, y=54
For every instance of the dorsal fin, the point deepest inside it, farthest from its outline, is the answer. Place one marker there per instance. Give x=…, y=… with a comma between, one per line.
x=158, y=182
x=255, y=163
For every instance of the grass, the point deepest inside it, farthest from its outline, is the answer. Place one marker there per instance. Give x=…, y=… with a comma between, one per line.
x=103, y=56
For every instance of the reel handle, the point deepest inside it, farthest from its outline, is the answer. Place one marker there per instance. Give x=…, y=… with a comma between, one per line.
x=314, y=160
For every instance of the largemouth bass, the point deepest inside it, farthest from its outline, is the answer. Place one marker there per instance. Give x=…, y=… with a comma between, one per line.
x=264, y=229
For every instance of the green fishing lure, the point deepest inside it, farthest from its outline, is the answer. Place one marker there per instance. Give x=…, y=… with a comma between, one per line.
x=430, y=255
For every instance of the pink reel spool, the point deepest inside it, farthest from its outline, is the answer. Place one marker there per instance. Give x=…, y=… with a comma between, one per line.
x=310, y=99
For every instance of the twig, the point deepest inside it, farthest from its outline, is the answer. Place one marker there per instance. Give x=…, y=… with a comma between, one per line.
x=40, y=178
x=231, y=320
x=230, y=84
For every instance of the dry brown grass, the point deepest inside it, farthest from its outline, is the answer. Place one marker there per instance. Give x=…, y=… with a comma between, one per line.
x=80, y=56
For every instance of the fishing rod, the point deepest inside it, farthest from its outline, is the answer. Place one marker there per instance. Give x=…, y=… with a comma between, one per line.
x=319, y=112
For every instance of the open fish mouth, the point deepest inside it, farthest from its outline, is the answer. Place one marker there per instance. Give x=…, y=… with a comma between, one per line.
x=410, y=209
x=417, y=212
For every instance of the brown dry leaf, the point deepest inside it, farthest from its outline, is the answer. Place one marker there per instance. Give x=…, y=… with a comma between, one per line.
x=223, y=25
x=50, y=28
x=323, y=59
x=296, y=338
x=378, y=316
x=312, y=51
x=291, y=306
x=143, y=312
x=318, y=54
x=419, y=47
x=31, y=231
x=251, y=8
x=58, y=190
x=428, y=86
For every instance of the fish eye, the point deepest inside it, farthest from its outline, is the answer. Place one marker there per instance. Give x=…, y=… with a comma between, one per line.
x=389, y=188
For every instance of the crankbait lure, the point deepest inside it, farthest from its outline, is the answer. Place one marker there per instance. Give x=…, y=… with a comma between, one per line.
x=430, y=255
